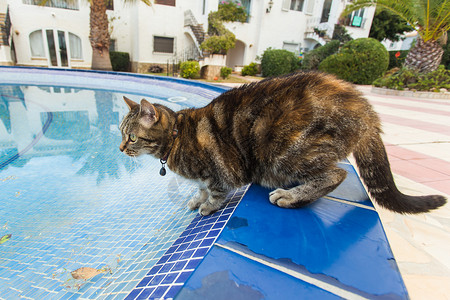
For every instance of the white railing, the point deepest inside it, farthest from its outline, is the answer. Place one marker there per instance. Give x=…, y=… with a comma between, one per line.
x=65, y=4
x=189, y=18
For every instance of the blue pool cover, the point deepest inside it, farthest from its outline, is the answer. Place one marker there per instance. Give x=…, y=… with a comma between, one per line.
x=70, y=200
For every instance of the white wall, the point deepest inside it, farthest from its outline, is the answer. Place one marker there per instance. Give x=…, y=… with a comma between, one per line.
x=133, y=26
x=27, y=18
x=362, y=32
x=268, y=29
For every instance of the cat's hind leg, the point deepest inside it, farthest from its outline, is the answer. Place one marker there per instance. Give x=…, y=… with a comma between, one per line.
x=312, y=189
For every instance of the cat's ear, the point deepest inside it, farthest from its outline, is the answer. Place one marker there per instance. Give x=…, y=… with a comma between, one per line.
x=148, y=114
x=130, y=103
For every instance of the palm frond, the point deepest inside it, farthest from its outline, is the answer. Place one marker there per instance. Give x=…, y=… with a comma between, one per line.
x=358, y=5
x=441, y=19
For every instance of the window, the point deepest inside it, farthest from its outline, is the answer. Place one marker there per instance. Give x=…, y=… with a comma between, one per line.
x=246, y=4
x=325, y=11
x=163, y=44
x=165, y=2
x=358, y=18
x=75, y=46
x=66, y=4
x=297, y=5
x=37, y=44
x=112, y=45
x=355, y=19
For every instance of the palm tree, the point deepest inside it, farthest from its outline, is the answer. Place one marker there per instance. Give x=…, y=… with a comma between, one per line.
x=99, y=36
x=431, y=19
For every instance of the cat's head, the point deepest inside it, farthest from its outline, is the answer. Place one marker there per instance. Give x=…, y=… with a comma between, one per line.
x=145, y=129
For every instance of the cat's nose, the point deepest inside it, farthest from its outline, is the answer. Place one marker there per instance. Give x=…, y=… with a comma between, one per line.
x=122, y=147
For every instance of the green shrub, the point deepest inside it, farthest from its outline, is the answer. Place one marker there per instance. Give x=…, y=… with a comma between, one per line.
x=276, y=62
x=250, y=70
x=225, y=72
x=120, y=61
x=400, y=79
x=190, y=69
x=219, y=44
x=314, y=57
x=360, y=61
x=397, y=62
x=230, y=11
x=220, y=39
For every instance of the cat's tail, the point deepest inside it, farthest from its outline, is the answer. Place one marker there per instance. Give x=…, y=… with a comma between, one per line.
x=374, y=168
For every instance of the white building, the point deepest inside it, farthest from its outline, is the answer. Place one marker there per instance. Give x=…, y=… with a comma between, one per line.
x=58, y=35
x=405, y=42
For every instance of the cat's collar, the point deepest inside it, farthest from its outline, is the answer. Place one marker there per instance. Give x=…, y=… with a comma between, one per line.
x=163, y=160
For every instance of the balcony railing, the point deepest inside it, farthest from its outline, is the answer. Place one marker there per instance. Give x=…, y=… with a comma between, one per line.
x=64, y=4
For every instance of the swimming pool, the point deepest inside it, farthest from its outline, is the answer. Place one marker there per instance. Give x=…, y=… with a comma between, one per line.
x=70, y=200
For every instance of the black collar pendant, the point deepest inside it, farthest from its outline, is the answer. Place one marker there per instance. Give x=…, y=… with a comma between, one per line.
x=163, y=172
x=163, y=160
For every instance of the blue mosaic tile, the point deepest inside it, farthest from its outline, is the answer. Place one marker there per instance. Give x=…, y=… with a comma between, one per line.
x=179, y=261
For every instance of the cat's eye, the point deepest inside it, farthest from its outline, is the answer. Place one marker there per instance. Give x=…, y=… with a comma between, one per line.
x=133, y=137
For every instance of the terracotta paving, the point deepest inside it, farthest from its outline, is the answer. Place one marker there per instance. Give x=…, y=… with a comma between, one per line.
x=417, y=139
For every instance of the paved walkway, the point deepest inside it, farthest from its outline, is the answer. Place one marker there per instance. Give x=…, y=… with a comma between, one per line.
x=417, y=139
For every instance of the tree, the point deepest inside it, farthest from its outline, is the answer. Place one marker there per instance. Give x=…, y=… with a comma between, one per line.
x=431, y=20
x=220, y=39
x=340, y=33
x=387, y=25
x=99, y=33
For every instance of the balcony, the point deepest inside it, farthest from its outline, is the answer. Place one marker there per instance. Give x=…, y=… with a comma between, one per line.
x=64, y=4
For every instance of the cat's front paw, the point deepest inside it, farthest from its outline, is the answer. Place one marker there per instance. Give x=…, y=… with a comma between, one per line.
x=195, y=202
x=207, y=209
x=281, y=198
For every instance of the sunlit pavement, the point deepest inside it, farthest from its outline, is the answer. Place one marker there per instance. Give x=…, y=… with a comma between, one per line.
x=417, y=139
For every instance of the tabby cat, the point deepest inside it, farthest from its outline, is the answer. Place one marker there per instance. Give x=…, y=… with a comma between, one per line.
x=282, y=132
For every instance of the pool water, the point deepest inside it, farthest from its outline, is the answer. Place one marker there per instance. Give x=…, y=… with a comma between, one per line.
x=81, y=220
x=70, y=199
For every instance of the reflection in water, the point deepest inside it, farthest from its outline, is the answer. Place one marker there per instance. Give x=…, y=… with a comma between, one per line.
x=70, y=199
x=100, y=147
x=48, y=121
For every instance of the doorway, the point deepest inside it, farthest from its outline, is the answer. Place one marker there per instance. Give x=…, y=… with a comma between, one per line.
x=57, y=48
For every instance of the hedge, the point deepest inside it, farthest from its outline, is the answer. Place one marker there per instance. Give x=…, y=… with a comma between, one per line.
x=276, y=62
x=190, y=69
x=314, y=57
x=360, y=61
x=120, y=61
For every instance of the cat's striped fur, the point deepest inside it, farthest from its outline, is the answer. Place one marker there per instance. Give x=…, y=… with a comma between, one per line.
x=280, y=132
